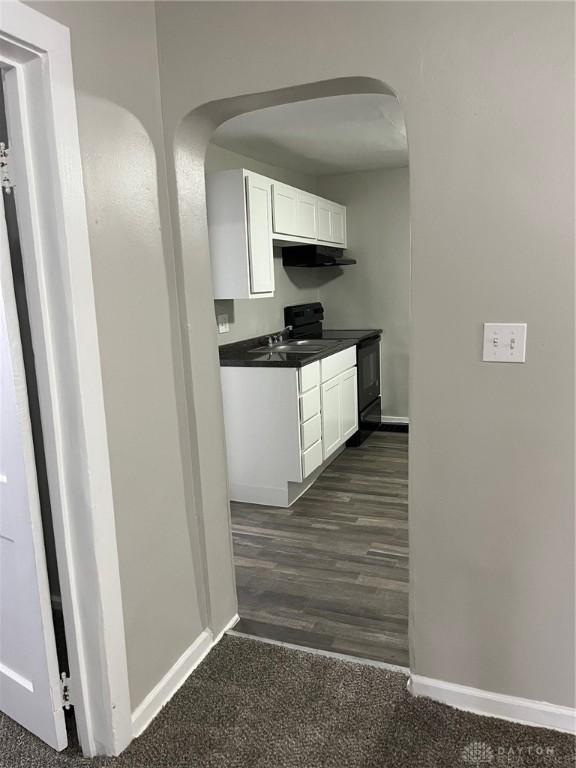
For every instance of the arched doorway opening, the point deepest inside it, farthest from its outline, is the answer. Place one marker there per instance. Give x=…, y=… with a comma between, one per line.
x=194, y=157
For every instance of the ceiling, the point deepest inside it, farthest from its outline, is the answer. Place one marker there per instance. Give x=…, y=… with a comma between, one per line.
x=337, y=134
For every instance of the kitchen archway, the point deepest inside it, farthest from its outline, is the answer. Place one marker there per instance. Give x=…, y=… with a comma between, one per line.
x=192, y=142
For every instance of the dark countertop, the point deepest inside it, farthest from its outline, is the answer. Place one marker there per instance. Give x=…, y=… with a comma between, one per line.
x=242, y=354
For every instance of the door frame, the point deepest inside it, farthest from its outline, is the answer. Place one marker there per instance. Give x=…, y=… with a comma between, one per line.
x=45, y=161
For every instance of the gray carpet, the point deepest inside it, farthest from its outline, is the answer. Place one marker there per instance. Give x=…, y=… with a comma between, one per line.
x=255, y=705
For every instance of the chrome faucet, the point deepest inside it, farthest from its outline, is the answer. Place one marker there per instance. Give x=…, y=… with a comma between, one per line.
x=278, y=338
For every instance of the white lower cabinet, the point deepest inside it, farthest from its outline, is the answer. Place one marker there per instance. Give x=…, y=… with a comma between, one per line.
x=339, y=410
x=331, y=416
x=349, y=403
x=283, y=423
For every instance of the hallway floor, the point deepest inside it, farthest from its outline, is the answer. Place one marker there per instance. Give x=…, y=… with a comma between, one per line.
x=331, y=572
x=254, y=705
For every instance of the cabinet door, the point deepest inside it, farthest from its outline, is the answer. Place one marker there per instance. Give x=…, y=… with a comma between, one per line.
x=306, y=215
x=261, y=254
x=324, y=221
x=338, y=224
x=284, y=209
x=331, y=222
x=349, y=403
x=331, y=416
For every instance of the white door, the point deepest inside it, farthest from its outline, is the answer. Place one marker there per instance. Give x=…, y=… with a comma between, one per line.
x=284, y=209
x=338, y=224
x=29, y=679
x=331, y=416
x=261, y=253
x=331, y=222
x=349, y=403
x=306, y=215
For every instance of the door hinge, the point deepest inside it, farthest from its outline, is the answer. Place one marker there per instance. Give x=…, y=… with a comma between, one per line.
x=65, y=695
x=6, y=181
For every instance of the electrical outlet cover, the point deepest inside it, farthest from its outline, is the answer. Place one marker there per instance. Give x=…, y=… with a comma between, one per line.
x=222, y=323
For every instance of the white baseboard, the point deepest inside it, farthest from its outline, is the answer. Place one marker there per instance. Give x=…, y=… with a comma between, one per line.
x=232, y=623
x=514, y=708
x=176, y=676
x=394, y=419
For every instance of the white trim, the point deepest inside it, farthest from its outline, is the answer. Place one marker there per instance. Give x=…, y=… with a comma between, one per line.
x=394, y=420
x=514, y=708
x=232, y=623
x=175, y=678
x=45, y=151
x=328, y=654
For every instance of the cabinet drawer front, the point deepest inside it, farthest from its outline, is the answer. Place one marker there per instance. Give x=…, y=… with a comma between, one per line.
x=309, y=404
x=312, y=458
x=311, y=432
x=338, y=363
x=309, y=376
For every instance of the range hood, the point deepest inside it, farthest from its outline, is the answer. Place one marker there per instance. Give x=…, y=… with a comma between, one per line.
x=314, y=256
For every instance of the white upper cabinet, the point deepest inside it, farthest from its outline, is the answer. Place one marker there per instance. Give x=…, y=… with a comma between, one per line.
x=293, y=212
x=246, y=213
x=239, y=206
x=260, y=253
x=331, y=222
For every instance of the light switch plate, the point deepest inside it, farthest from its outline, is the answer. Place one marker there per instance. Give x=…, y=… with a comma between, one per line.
x=222, y=323
x=504, y=343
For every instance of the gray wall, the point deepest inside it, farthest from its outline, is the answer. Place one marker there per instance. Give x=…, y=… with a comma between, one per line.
x=492, y=459
x=491, y=450
x=116, y=77
x=376, y=292
x=256, y=317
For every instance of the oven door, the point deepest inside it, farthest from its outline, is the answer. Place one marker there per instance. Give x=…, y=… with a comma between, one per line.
x=368, y=361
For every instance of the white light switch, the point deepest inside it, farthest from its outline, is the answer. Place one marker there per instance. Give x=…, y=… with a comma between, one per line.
x=504, y=343
x=222, y=322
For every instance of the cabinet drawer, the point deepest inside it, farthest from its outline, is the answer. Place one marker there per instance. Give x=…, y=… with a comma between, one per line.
x=309, y=404
x=309, y=376
x=338, y=363
x=312, y=458
x=311, y=432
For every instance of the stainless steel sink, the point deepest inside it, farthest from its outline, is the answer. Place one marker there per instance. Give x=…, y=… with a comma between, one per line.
x=300, y=345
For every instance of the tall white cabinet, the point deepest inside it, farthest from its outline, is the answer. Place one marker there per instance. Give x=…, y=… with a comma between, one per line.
x=239, y=205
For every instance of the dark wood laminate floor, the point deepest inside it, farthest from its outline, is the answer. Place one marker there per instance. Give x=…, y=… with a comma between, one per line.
x=331, y=572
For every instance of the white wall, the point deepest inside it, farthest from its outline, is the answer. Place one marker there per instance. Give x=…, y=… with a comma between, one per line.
x=375, y=293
